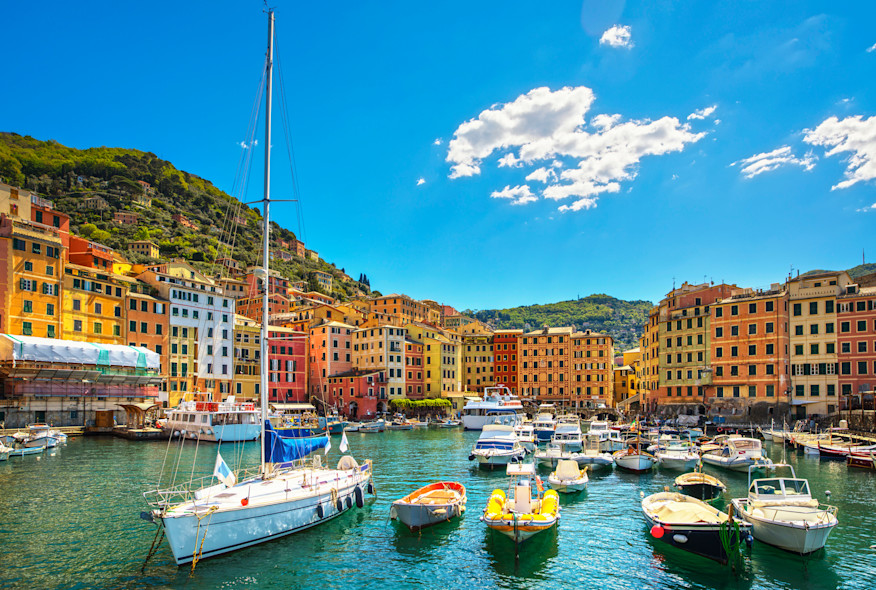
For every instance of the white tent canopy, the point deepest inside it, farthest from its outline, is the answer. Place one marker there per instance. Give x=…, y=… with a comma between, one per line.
x=17, y=348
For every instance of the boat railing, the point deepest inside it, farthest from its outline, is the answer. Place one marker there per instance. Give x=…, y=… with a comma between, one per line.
x=191, y=491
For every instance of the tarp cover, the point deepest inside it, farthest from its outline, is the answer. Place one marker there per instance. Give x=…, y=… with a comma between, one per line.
x=70, y=352
x=284, y=450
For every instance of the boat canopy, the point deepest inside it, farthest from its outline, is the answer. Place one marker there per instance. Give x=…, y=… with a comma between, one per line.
x=284, y=451
x=294, y=407
x=70, y=352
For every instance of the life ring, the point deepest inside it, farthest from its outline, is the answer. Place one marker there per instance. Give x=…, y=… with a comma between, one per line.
x=360, y=497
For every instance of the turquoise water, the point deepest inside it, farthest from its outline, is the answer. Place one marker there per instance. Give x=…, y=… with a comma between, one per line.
x=71, y=520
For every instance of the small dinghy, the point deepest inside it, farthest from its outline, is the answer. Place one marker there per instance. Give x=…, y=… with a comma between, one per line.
x=634, y=458
x=700, y=485
x=693, y=525
x=430, y=505
x=522, y=516
x=568, y=478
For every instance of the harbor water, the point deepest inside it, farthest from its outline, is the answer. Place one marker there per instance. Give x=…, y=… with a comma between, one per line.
x=70, y=519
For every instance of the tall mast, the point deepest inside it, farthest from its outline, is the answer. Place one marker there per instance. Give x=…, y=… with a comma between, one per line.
x=266, y=231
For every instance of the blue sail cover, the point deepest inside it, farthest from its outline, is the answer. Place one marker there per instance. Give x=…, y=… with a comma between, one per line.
x=283, y=450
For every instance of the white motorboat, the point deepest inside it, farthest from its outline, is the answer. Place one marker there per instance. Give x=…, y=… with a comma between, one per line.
x=568, y=477
x=4, y=452
x=373, y=427
x=497, y=445
x=227, y=421
x=592, y=454
x=736, y=453
x=568, y=433
x=609, y=440
x=544, y=423
x=39, y=435
x=783, y=513
x=679, y=456
x=553, y=453
x=634, y=457
x=289, y=492
x=496, y=401
x=526, y=435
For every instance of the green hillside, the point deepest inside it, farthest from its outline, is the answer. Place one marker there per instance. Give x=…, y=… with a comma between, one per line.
x=854, y=272
x=69, y=176
x=601, y=313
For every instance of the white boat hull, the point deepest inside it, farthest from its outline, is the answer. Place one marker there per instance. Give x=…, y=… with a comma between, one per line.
x=638, y=463
x=222, y=433
x=568, y=486
x=795, y=537
x=678, y=463
x=472, y=422
x=230, y=529
x=737, y=463
x=498, y=459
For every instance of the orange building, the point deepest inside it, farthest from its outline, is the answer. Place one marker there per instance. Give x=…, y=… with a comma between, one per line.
x=91, y=254
x=414, y=382
x=856, y=350
x=592, y=371
x=750, y=355
x=148, y=325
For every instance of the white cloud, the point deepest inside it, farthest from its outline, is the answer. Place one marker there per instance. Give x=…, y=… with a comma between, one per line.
x=547, y=125
x=675, y=177
x=509, y=161
x=420, y=181
x=519, y=195
x=717, y=121
x=246, y=146
x=872, y=48
x=852, y=134
x=702, y=113
x=437, y=141
x=544, y=175
x=767, y=161
x=617, y=36
x=869, y=209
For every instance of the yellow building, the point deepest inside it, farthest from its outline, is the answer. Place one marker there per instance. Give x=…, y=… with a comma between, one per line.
x=382, y=348
x=94, y=305
x=441, y=364
x=626, y=379
x=145, y=247
x=30, y=293
x=813, y=349
x=15, y=202
x=247, y=355
x=477, y=361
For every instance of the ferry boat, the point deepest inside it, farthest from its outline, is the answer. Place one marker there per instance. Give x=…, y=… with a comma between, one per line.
x=496, y=400
x=226, y=421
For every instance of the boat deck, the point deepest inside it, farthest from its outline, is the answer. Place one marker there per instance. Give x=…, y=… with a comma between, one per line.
x=436, y=497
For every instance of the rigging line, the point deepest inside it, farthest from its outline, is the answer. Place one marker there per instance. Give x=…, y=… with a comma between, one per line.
x=290, y=149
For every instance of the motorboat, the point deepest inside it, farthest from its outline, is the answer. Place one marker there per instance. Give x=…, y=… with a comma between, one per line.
x=497, y=400
x=24, y=451
x=518, y=515
x=692, y=525
x=609, y=439
x=227, y=421
x=420, y=423
x=568, y=432
x=634, y=458
x=783, y=513
x=447, y=423
x=592, y=454
x=526, y=435
x=736, y=453
x=400, y=423
x=700, y=485
x=39, y=435
x=431, y=504
x=555, y=452
x=568, y=477
x=679, y=456
x=352, y=427
x=840, y=450
x=497, y=445
x=373, y=427
x=4, y=452
x=544, y=422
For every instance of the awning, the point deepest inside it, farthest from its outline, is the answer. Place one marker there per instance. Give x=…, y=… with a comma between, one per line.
x=803, y=402
x=294, y=407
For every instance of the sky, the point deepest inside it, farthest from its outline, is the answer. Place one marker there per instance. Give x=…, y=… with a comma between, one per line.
x=494, y=154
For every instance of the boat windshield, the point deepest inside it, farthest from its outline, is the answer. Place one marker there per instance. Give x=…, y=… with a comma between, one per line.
x=746, y=444
x=767, y=487
x=796, y=487
x=494, y=444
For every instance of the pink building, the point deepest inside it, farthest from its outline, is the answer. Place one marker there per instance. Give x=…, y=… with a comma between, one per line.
x=287, y=361
x=357, y=392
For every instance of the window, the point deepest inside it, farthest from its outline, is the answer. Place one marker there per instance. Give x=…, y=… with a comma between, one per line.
x=28, y=266
x=26, y=328
x=798, y=349
x=770, y=349
x=752, y=308
x=814, y=390
x=719, y=312
x=828, y=305
x=862, y=325
x=752, y=349
x=845, y=326
x=132, y=326
x=734, y=351
x=813, y=329
x=769, y=305
x=798, y=330
x=862, y=367
x=752, y=391
x=98, y=328
x=752, y=370
x=770, y=328
x=719, y=352
x=829, y=348
x=813, y=308
x=734, y=330
x=719, y=332
x=77, y=325
x=50, y=331
x=27, y=306
x=862, y=346
x=50, y=309
x=752, y=329
x=734, y=310
x=799, y=391
x=828, y=328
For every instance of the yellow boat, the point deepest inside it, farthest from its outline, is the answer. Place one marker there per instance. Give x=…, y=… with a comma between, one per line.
x=521, y=516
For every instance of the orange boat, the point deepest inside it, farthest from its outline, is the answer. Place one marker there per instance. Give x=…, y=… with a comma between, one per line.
x=430, y=505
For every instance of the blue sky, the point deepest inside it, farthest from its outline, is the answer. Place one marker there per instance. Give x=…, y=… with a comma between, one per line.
x=689, y=140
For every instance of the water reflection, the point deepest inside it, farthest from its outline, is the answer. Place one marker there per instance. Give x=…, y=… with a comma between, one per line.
x=523, y=560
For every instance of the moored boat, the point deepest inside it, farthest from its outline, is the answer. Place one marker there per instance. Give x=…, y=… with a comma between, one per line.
x=497, y=445
x=431, y=504
x=568, y=478
x=783, y=513
x=544, y=424
x=226, y=421
x=692, y=525
x=679, y=456
x=700, y=485
x=862, y=460
x=634, y=458
x=519, y=516
x=496, y=401
x=373, y=427
x=736, y=453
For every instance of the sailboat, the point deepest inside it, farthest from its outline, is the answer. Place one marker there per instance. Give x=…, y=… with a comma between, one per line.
x=290, y=492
